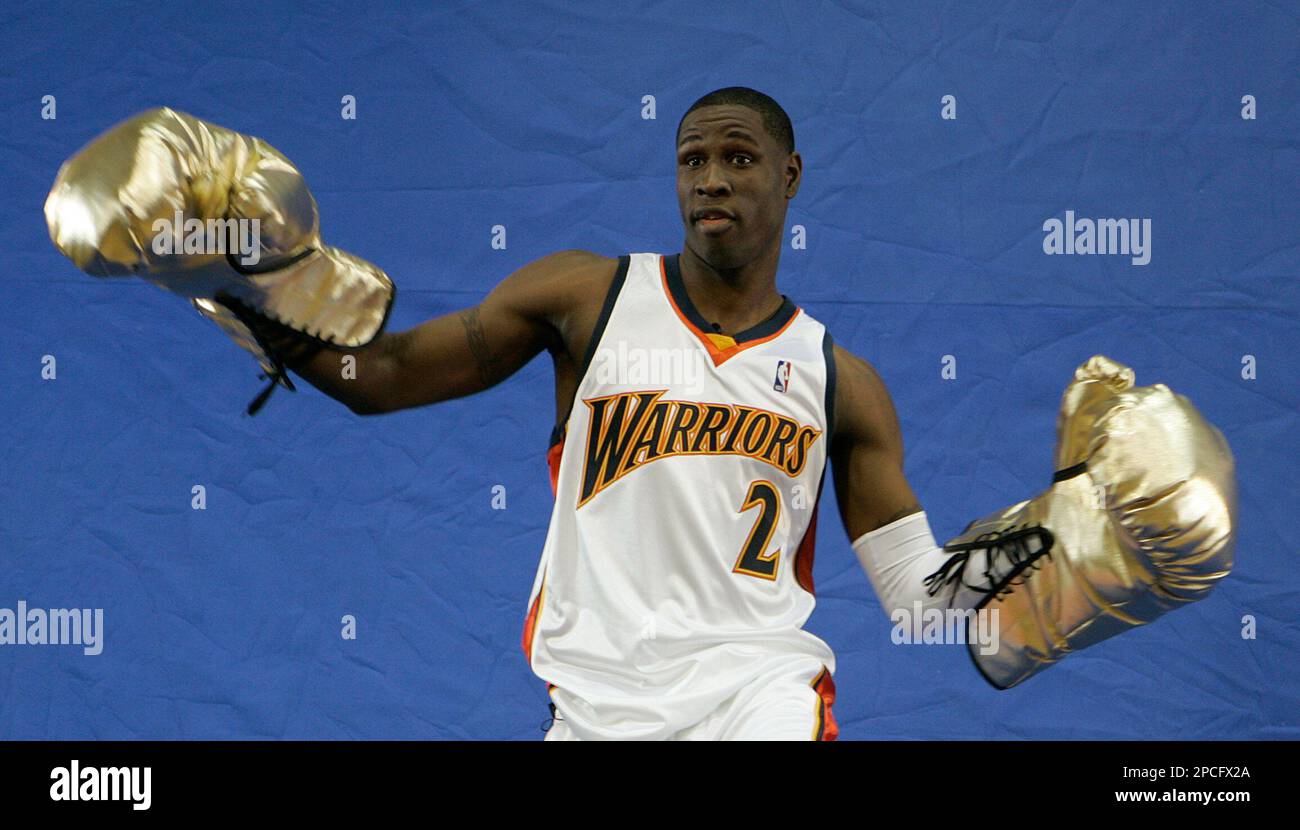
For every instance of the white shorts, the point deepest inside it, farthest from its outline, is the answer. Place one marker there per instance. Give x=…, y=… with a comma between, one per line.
x=789, y=707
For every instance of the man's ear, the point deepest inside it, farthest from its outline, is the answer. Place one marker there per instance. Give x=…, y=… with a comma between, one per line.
x=793, y=174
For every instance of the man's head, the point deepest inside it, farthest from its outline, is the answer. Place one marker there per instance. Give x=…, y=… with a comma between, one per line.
x=736, y=161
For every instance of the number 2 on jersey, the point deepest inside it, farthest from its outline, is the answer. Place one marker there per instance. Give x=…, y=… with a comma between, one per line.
x=764, y=495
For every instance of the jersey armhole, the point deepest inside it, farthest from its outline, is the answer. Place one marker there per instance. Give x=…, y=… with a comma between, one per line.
x=598, y=332
x=828, y=351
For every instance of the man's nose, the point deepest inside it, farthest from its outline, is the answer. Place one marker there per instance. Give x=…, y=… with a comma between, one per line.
x=712, y=182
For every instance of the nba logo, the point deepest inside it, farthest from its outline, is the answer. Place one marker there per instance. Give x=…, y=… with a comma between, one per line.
x=782, y=376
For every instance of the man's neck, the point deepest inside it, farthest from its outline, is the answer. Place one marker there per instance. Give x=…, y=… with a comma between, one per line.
x=735, y=299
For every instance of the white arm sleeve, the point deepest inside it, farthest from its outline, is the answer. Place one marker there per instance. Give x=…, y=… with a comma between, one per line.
x=898, y=557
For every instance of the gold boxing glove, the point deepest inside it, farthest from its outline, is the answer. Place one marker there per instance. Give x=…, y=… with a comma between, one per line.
x=168, y=197
x=1140, y=519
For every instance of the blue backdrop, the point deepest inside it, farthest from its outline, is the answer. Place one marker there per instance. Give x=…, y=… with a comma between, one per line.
x=924, y=239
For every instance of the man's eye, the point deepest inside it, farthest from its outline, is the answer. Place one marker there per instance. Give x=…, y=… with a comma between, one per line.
x=746, y=160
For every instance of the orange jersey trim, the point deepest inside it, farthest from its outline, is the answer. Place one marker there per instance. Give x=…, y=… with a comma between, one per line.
x=716, y=344
x=530, y=623
x=825, y=728
x=553, y=456
x=803, y=557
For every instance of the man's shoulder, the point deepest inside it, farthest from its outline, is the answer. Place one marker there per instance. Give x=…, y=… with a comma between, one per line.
x=563, y=279
x=578, y=258
x=864, y=409
x=855, y=369
x=576, y=273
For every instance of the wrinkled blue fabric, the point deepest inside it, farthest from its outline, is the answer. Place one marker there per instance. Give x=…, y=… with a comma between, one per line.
x=924, y=239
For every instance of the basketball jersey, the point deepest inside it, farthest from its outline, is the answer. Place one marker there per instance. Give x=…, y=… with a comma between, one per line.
x=678, y=564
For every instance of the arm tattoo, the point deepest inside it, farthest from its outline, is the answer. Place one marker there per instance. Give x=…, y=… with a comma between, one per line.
x=398, y=346
x=899, y=514
x=488, y=365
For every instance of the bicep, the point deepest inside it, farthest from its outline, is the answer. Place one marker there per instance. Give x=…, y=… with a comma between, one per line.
x=476, y=348
x=872, y=489
x=867, y=451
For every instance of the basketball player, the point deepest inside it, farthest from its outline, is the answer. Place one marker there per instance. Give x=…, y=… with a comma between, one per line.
x=677, y=573
x=676, y=576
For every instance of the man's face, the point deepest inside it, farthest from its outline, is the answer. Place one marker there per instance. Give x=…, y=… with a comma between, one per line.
x=733, y=183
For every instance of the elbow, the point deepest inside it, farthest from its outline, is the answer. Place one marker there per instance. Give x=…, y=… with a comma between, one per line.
x=368, y=407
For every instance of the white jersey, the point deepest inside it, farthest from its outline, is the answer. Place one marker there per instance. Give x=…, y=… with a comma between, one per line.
x=678, y=565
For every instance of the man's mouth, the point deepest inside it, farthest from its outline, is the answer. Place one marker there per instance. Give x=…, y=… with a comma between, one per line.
x=713, y=219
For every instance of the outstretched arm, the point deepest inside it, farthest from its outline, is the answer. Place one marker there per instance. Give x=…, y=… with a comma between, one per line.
x=466, y=351
x=890, y=532
x=867, y=450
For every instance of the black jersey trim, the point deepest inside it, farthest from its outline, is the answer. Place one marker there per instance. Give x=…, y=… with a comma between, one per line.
x=828, y=351
x=773, y=324
x=611, y=297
